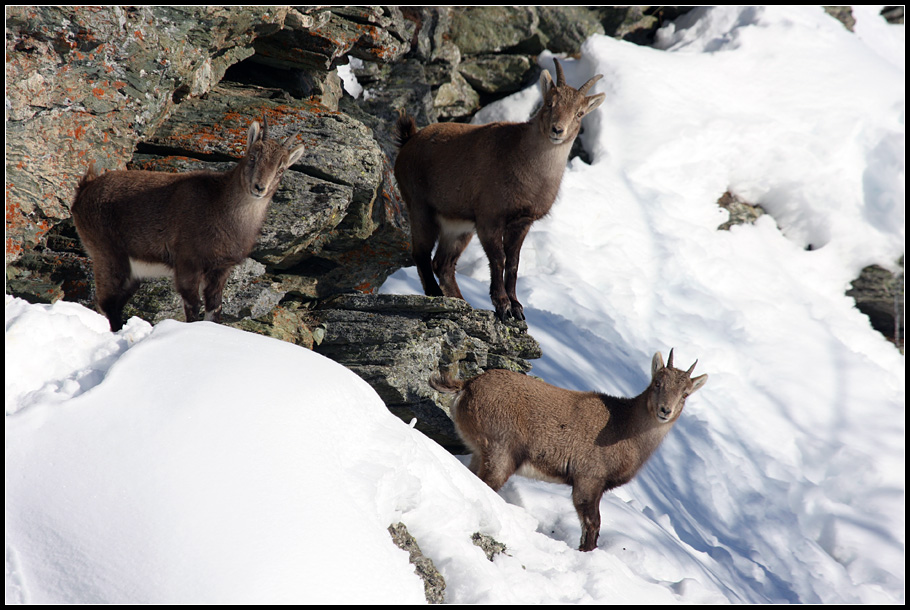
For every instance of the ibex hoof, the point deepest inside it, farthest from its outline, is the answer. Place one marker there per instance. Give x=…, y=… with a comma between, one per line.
x=518, y=311
x=510, y=312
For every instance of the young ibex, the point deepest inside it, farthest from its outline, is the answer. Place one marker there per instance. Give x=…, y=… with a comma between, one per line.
x=498, y=178
x=591, y=441
x=196, y=225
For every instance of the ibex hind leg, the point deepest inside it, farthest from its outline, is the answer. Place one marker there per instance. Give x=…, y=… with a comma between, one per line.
x=453, y=240
x=114, y=286
x=425, y=271
x=494, y=467
x=424, y=232
x=214, y=289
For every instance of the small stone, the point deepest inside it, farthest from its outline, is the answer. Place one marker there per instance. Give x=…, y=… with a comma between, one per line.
x=434, y=584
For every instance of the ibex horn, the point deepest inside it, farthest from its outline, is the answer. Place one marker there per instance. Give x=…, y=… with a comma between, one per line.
x=691, y=368
x=560, y=78
x=670, y=359
x=584, y=88
x=293, y=136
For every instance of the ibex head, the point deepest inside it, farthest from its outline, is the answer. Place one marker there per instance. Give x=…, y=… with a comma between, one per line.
x=563, y=107
x=669, y=388
x=266, y=161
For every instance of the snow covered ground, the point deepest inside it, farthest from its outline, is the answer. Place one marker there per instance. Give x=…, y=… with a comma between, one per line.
x=154, y=465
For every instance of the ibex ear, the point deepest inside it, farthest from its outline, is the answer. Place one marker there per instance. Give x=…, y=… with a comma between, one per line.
x=546, y=82
x=295, y=156
x=594, y=101
x=657, y=363
x=252, y=135
x=698, y=382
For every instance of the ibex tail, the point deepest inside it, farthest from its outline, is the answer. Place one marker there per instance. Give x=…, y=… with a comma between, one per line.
x=445, y=383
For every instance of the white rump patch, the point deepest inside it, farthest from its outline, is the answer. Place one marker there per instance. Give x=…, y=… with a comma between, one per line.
x=141, y=270
x=528, y=470
x=454, y=228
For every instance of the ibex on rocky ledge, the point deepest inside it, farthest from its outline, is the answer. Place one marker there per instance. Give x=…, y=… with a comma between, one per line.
x=591, y=441
x=197, y=225
x=498, y=178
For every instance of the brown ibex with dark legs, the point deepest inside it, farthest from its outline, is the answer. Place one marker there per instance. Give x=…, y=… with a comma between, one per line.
x=591, y=441
x=196, y=225
x=497, y=178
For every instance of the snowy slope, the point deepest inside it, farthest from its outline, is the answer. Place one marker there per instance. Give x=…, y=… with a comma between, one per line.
x=152, y=465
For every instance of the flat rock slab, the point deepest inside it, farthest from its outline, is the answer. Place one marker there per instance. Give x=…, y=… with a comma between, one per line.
x=395, y=342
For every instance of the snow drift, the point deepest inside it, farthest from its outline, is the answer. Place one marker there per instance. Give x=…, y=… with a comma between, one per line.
x=197, y=463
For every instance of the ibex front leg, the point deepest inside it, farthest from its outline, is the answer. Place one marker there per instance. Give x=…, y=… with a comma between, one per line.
x=188, y=280
x=114, y=285
x=491, y=240
x=514, y=237
x=586, y=498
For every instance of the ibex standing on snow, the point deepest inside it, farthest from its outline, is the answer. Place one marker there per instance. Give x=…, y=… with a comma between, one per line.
x=593, y=442
x=498, y=178
x=196, y=225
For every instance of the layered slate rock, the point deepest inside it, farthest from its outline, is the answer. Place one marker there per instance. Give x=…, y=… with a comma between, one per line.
x=101, y=84
x=879, y=293
x=87, y=83
x=395, y=342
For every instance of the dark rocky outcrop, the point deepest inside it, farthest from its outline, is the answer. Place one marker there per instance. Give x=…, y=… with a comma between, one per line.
x=489, y=545
x=395, y=342
x=879, y=294
x=844, y=14
x=89, y=83
x=894, y=14
x=101, y=84
x=741, y=212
